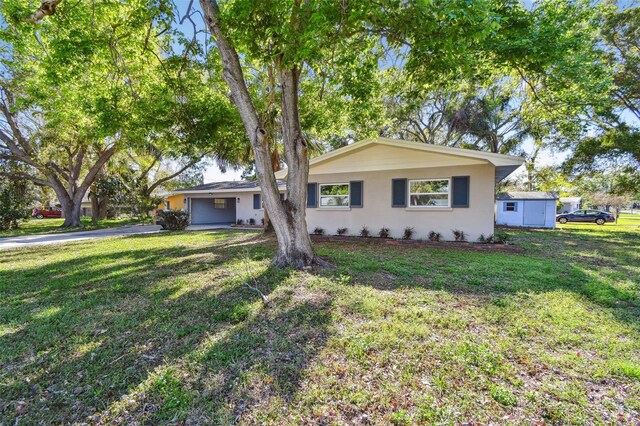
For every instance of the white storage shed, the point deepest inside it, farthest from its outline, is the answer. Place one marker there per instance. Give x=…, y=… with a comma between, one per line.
x=530, y=209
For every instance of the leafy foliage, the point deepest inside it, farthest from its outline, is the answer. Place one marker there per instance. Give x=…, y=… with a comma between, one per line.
x=434, y=236
x=13, y=203
x=384, y=232
x=174, y=220
x=408, y=233
x=458, y=235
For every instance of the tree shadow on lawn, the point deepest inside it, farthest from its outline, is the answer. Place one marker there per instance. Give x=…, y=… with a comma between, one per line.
x=486, y=275
x=178, y=334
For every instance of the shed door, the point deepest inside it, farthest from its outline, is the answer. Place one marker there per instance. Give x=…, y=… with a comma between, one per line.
x=534, y=213
x=207, y=211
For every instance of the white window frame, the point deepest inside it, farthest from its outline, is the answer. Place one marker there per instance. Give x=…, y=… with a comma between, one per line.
x=506, y=206
x=409, y=193
x=320, y=196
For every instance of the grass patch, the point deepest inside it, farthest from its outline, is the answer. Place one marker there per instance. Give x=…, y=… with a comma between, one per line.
x=53, y=226
x=502, y=396
x=157, y=329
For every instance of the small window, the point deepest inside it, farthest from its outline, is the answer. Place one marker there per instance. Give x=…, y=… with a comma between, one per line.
x=168, y=205
x=334, y=195
x=219, y=203
x=510, y=206
x=429, y=193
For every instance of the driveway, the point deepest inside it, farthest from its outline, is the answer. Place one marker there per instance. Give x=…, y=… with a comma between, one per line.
x=33, y=240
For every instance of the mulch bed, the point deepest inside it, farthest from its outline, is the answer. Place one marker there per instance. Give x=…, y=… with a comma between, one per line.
x=247, y=226
x=462, y=245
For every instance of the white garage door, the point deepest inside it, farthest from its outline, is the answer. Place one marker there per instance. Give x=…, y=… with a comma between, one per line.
x=534, y=213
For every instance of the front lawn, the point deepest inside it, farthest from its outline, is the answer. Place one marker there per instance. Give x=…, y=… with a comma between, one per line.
x=161, y=329
x=50, y=226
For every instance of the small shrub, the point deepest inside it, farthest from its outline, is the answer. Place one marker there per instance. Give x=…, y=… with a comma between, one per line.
x=458, y=235
x=485, y=240
x=384, y=232
x=502, y=395
x=434, y=236
x=341, y=231
x=408, y=233
x=239, y=222
x=174, y=220
x=252, y=221
x=318, y=231
x=364, y=232
x=501, y=237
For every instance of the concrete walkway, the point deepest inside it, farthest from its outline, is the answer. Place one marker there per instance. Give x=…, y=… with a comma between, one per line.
x=66, y=237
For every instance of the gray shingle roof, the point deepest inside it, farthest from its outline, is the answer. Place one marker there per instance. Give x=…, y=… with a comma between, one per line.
x=219, y=186
x=527, y=196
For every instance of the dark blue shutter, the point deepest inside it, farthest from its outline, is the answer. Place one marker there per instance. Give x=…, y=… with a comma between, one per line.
x=460, y=191
x=256, y=201
x=312, y=195
x=355, y=193
x=398, y=193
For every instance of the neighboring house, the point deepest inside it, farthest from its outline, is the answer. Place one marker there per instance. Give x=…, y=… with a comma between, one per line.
x=87, y=208
x=530, y=209
x=376, y=183
x=569, y=204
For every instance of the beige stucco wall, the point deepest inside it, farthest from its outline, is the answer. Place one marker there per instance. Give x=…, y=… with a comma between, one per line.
x=377, y=212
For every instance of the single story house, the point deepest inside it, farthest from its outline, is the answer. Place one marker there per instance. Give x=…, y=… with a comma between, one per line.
x=569, y=204
x=530, y=209
x=375, y=183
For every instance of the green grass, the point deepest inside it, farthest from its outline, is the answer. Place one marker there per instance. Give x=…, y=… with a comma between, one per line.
x=51, y=226
x=160, y=329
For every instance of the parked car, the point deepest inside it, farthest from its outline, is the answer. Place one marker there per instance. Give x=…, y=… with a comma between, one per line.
x=586, y=216
x=46, y=212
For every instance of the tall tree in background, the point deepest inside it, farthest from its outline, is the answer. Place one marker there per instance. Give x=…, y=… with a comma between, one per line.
x=102, y=78
x=69, y=87
x=68, y=162
x=614, y=135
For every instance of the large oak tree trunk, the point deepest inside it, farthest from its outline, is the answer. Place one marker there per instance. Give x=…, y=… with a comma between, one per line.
x=71, y=207
x=288, y=217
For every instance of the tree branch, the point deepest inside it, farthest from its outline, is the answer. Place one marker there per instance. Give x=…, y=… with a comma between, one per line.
x=167, y=178
x=47, y=8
